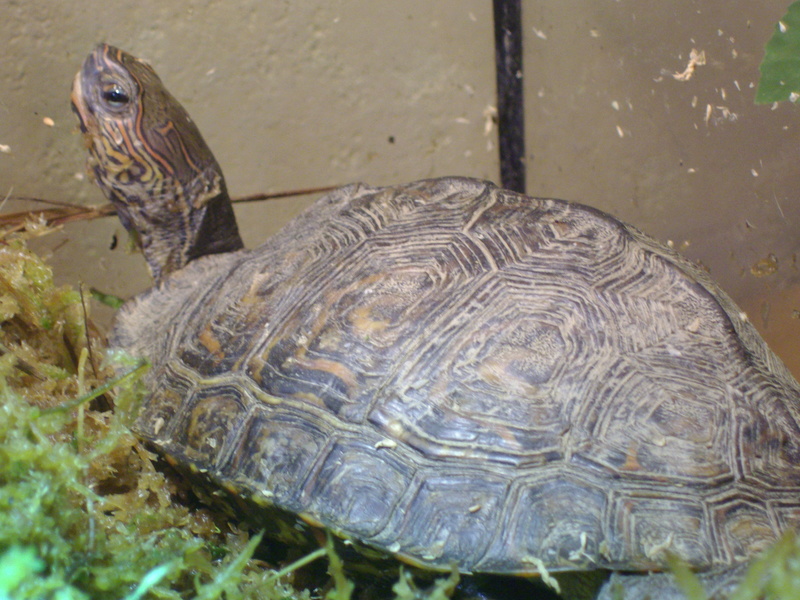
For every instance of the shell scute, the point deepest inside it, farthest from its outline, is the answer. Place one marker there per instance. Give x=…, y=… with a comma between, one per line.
x=275, y=454
x=347, y=490
x=447, y=515
x=205, y=423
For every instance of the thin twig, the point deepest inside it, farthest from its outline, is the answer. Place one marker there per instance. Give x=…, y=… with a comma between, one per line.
x=68, y=212
x=286, y=194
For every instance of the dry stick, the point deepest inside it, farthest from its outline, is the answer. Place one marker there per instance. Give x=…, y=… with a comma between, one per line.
x=277, y=195
x=68, y=212
x=56, y=216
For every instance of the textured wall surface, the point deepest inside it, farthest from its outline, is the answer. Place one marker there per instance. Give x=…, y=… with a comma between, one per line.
x=288, y=95
x=292, y=95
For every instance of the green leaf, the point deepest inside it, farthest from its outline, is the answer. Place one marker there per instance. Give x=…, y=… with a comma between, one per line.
x=227, y=579
x=342, y=586
x=150, y=579
x=780, y=69
x=442, y=588
x=114, y=302
x=687, y=581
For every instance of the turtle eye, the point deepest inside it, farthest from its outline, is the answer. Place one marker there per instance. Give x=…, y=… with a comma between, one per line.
x=115, y=96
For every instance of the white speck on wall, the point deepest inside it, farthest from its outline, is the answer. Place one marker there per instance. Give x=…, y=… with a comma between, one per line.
x=696, y=59
x=489, y=118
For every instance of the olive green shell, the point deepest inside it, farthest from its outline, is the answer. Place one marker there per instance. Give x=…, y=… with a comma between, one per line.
x=458, y=374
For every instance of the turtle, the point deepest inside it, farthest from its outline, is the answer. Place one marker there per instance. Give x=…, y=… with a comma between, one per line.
x=444, y=371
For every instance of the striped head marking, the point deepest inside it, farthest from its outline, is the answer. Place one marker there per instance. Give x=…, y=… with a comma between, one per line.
x=151, y=161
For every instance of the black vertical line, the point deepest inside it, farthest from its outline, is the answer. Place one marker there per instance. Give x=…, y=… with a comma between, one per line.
x=510, y=106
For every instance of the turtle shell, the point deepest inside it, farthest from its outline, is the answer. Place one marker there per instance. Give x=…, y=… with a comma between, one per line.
x=458, y=374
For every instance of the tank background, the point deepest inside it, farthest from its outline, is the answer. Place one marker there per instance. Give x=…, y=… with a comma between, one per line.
x=293, y=95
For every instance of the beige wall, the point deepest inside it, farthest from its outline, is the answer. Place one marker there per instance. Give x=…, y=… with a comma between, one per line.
x=287, y=94
x=296, y=94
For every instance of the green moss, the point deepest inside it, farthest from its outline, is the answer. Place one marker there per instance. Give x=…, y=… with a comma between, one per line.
x=83, y=511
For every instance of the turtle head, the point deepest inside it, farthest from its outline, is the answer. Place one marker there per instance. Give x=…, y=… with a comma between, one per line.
x=149, y=158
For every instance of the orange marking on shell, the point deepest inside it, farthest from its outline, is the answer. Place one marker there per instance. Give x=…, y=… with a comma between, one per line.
x=333, y=298
x=362, y=320
x=309, y=520
x=329, y=366
x=631, y=459
x=211, y=343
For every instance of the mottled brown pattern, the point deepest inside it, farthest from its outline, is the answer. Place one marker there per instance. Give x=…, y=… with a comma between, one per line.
x=458, y=374
x=151, y=161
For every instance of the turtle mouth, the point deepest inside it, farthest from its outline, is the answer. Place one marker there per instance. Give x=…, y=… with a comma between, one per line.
x=77, y=101
x=86, y=119
x=83, y=86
